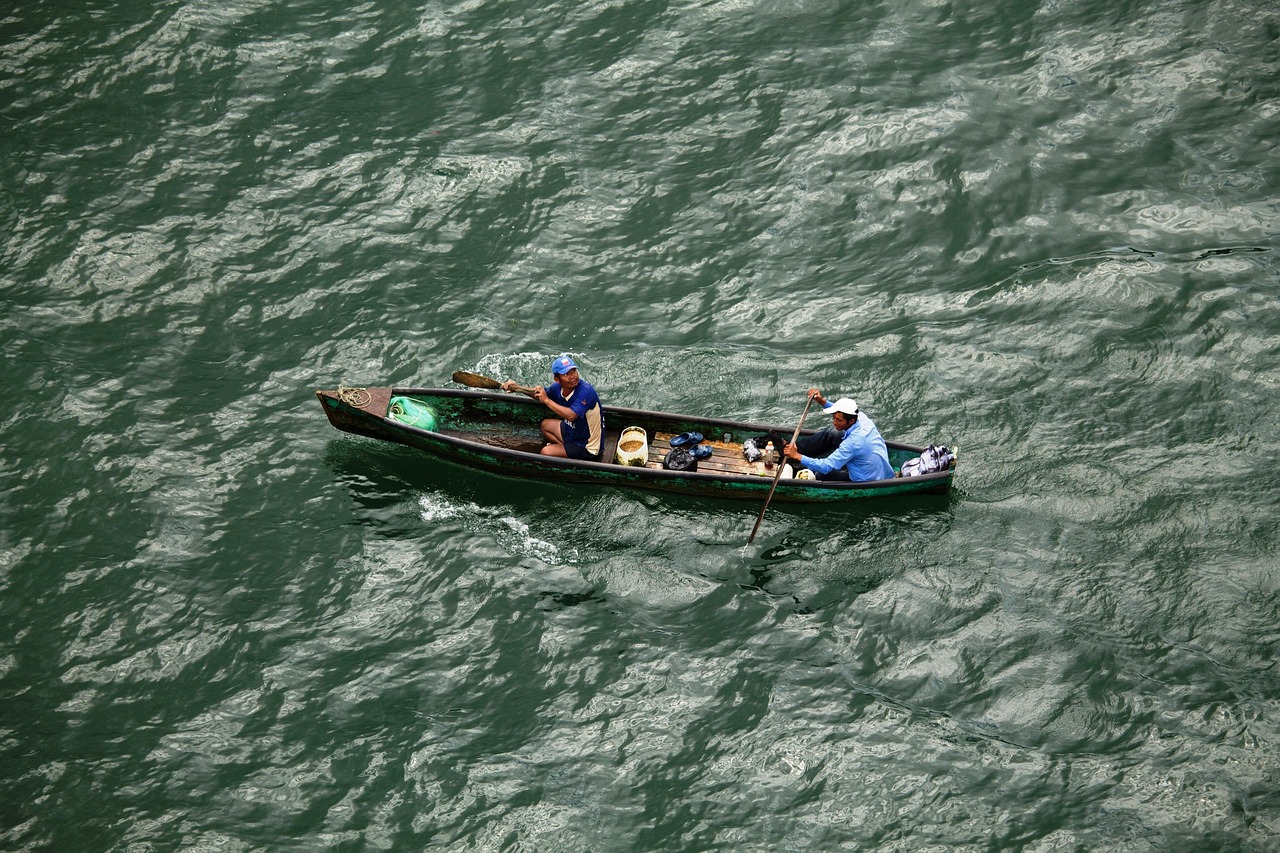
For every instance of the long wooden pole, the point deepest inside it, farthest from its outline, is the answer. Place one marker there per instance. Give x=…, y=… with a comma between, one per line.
x=778, y=474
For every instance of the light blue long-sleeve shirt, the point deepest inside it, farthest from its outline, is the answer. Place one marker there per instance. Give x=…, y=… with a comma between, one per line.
x=862, y=453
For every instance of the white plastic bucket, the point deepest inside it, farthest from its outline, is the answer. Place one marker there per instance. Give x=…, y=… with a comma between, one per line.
x=633, y=447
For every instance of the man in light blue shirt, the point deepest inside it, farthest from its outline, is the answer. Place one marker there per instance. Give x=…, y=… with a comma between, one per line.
x=850, y=449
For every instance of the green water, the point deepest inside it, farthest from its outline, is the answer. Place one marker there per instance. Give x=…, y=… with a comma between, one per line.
x=1045, y=233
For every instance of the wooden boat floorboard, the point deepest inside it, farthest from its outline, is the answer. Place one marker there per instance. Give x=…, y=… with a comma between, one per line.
x=724, y=458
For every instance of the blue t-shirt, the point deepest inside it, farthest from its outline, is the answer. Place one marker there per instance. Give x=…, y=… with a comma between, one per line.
x=862, y=453
x=587, y=429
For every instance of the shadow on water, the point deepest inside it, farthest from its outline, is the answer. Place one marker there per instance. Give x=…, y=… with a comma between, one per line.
x=847, y=550
x=553, y=600
x=380, y=474
x=810, y=553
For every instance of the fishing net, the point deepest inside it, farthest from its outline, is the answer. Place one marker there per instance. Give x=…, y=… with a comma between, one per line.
x=412, y=412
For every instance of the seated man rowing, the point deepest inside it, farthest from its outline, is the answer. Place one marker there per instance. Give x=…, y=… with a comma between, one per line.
x=577, y=431
x=850, y=449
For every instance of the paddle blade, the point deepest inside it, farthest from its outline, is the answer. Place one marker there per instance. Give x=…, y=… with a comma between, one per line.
x=475, y=380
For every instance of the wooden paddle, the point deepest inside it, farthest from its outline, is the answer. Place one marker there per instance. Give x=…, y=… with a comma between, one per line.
x=475, y=380
x=777, y=475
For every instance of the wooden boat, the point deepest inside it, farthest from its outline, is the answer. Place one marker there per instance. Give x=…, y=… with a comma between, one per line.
x=499, y=432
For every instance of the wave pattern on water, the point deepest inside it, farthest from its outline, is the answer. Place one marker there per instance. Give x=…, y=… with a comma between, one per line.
x=1046, y=233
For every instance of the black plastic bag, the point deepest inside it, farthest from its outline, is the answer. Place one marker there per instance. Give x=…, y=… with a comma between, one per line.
x=753, y=448
x=679, y=459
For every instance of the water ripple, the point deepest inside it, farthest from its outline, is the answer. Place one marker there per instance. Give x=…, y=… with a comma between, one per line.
x=1044, y=234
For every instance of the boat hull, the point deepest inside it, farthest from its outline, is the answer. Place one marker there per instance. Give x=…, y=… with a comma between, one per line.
x=499, y=433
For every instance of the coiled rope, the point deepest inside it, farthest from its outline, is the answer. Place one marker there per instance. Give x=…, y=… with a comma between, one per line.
x=356, y=397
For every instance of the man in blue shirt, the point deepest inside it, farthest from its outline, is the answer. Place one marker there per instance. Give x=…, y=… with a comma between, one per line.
x=577, y=431
x=850, y=449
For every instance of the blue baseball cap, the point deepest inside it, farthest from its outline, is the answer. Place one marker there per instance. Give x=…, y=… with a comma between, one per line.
x=563, y=364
